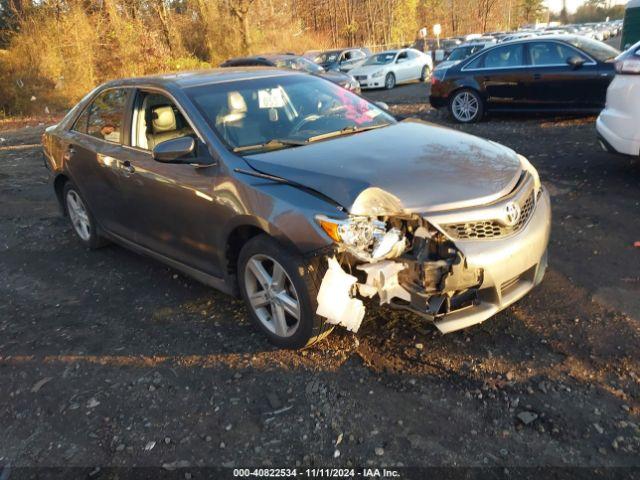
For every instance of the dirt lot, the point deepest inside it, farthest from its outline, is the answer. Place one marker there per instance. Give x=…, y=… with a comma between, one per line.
x=108, y=358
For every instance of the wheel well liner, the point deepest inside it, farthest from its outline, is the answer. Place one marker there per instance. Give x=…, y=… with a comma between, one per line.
x=58, y=186
x=238, y=237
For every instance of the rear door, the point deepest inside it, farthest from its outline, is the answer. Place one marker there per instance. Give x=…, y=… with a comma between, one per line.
x=500, y=73
x=416, y=65
x=95, y=156
x=403, y=66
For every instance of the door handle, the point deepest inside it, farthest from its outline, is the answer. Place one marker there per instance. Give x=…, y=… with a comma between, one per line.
x=127, y=167
x=537, y=76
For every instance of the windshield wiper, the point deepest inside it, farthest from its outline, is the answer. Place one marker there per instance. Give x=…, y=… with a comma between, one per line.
x=273, y=143
x=345, y=131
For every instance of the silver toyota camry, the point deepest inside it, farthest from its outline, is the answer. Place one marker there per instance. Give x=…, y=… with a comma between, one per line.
x=302, y=198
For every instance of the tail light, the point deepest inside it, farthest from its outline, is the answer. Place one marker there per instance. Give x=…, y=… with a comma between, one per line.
x=628, y=63
x=628, y=66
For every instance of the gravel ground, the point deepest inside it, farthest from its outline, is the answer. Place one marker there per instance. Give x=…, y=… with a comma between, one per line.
x=109, y=358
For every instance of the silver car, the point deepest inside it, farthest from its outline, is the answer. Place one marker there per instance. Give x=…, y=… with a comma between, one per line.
x=302, y=198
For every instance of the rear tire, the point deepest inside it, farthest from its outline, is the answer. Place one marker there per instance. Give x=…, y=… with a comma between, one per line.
x=426, y=73
x=82, y=220
x=276, y=284
x=389, y=81
x=466, y=106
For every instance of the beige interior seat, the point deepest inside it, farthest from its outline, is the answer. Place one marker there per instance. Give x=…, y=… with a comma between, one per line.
x=237, y=108
x=164, y=126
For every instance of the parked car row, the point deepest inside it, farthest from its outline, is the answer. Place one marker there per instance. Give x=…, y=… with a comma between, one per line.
x=352, y=68
x=295, y=62
x=470, y=44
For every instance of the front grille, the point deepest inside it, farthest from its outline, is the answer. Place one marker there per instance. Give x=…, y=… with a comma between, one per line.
x=360, y=78
x=487, y=229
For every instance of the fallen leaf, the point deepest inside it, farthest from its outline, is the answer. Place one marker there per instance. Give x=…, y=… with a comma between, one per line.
x=40, y=383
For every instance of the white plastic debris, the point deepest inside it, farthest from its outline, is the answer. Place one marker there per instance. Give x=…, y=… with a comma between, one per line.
x=334, y=298
x=382, y=278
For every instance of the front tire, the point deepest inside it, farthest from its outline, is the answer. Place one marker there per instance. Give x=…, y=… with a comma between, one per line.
x=280, y=290
x=466, y=106
x=82, y=221
x=389, y=81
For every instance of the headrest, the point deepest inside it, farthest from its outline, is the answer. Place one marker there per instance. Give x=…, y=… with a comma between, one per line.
x=236, y=103
x=163, y=119
x=237, y=108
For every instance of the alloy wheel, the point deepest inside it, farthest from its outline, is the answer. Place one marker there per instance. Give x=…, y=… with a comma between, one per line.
x=465, y=106
x=79, y=215
x=390, y=81
x=272, y=295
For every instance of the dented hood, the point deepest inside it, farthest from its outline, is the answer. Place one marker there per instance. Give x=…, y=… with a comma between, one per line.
x=411, y=166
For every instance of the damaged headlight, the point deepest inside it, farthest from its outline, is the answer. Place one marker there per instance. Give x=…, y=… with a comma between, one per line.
x=367, y=239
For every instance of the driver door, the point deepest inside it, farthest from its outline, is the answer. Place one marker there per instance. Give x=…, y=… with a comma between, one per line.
x=168, y=204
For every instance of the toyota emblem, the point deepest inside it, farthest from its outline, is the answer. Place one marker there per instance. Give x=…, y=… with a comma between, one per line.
x=512, y=211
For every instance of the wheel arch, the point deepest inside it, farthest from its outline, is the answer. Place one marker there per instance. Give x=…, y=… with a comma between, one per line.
x=238, y=233
x=58, y=186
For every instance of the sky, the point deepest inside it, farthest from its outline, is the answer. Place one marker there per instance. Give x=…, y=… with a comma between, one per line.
x=572, y=5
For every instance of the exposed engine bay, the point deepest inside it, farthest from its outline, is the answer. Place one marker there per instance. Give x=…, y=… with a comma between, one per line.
x=403, y=260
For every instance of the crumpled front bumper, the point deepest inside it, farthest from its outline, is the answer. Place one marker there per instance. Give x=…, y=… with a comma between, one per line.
x=511, y=266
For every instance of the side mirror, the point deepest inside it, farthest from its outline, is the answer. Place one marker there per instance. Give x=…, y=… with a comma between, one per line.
x=382, y=105
x=575, y=62
x=175, y=150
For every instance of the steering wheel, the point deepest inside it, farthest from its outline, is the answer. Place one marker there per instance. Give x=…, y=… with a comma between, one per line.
x=304, y=121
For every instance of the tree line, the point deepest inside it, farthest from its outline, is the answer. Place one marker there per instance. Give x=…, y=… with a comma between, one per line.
x=54, y=51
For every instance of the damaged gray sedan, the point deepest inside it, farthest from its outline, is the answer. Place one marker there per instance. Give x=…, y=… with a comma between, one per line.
x=301, y=197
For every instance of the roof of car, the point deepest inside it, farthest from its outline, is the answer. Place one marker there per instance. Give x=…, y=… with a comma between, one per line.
x=561, y=36
x=203, y=77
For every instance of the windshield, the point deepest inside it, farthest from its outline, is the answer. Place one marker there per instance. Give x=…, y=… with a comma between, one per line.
x=598, y=50
x=299, y=63
x=381, y=58
x=284, y=111
x=327, y=57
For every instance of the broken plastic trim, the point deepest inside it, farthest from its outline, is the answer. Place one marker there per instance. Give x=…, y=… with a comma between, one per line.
x=335, y=299
x=335, y=302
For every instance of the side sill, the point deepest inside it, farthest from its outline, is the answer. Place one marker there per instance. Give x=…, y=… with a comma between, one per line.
x=209, y=280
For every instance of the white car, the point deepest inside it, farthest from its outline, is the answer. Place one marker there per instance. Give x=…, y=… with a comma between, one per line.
x=618, y=125
x=387, y=69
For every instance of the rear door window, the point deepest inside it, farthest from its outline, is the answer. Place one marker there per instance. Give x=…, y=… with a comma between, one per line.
x=106, y=115
x=508, y=56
